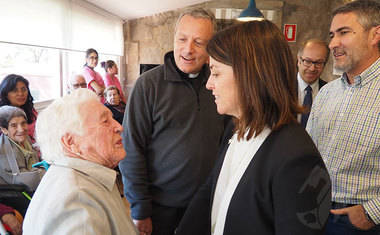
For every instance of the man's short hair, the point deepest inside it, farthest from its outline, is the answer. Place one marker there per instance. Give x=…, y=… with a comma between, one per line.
x=315, y=41
x=61, y=117
x=74, y=79
x=198, y=13
x=367, y=12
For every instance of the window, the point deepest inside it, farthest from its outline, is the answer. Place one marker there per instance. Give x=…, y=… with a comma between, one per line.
x=40, y=66
x=74, y=62
x=47, y=70
x=46, y=41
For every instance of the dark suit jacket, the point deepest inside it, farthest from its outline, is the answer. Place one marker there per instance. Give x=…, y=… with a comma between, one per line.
x=321, y=83
x=285, y=190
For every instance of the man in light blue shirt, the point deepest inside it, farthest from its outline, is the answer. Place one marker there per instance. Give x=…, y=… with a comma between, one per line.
x=345, y=120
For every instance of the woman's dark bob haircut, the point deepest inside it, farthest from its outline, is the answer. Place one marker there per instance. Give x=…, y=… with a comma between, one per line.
x=265, y=74
x=9, y=84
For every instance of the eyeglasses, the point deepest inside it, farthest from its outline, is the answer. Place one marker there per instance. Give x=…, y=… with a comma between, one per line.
x=308, y=63
x=80, y=85
x=93, y=57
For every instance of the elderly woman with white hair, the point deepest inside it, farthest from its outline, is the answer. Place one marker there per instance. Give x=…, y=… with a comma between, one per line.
x=78, y=195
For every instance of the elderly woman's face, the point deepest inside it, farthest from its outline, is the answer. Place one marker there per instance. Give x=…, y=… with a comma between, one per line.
x=113, y=97
x=17, y=97
x=223, y=85
x=17, y=129
x=101, y=140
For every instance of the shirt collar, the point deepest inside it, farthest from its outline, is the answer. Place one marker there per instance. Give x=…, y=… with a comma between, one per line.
x=100, y=173
x=302, y=84
x=365, y=77
x=171, y=70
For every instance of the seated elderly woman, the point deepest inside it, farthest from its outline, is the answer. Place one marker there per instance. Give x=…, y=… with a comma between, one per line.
x=16, y=153
x=78, y=195
x=114, y=103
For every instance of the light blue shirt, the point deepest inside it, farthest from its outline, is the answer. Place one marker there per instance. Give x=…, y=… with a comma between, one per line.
x=345, y=125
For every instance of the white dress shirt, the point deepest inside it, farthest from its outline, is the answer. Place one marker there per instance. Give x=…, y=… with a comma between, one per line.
x=302, y=92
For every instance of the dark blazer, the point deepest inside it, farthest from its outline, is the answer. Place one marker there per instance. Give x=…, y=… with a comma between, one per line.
x=285, y=190
x=321, y=83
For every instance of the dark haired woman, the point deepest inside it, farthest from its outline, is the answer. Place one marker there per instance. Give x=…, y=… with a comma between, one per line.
x=14, y=91
x=93, y=79
x=270, y=178
x=110, y=78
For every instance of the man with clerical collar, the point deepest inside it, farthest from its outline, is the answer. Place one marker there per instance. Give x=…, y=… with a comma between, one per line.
x=171, y=129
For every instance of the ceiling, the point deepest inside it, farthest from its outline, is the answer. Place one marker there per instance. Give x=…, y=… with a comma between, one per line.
x=132, y=9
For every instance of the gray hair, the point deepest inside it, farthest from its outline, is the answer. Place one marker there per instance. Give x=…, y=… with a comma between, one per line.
x=314, y=41
x=110, y=88
x=7, y=113
x=61, y=117
x=198, y=13
x=367, y=12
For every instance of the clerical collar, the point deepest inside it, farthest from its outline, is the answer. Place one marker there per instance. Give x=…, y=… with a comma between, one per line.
x=193, y=75
x=184, y=75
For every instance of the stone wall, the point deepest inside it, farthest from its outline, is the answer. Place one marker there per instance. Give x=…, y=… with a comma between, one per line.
x=148, y=39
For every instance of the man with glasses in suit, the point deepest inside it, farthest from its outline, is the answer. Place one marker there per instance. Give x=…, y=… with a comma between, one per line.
x=311, y=59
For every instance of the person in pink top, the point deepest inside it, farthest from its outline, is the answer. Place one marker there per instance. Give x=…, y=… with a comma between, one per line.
x=93, y=79
x=110, y=78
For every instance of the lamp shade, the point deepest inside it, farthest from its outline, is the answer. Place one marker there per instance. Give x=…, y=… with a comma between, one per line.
x=251, y=13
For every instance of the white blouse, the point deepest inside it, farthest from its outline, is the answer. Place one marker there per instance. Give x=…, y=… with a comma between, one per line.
x=238, y=156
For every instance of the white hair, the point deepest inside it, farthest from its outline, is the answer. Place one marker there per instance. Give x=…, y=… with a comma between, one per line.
x=61, y=117
x=198, y=13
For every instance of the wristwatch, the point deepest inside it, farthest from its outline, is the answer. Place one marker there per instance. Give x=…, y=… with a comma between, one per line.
x=367, y=216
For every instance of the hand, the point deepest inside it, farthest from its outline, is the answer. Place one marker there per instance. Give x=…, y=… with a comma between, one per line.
x=100, y=93
x=13, y=223
x=144, y=226
x=98, y=88
x=356, y=215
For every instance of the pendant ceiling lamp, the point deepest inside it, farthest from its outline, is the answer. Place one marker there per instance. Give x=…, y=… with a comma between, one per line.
x=251, y=13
